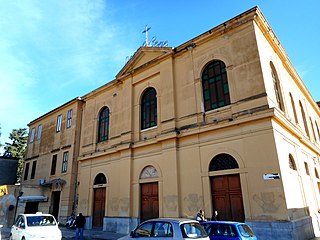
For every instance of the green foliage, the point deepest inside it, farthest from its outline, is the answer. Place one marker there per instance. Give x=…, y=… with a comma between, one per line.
x=17, y=149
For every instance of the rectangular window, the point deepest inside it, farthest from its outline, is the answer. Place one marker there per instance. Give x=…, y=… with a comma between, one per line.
x=39, y=132
x=53, y=164
x=307, y=168
x=69, y=119
x=33, y=170
x=33, y=130
x=65, y=162
x=26, y=171
x=59, y=122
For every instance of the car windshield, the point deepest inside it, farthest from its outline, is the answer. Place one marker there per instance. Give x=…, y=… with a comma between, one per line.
x=193, y=230
x=245, y=230
x=35, y=221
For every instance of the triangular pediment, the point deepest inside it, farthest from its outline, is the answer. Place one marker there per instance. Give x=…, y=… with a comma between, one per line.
x=142, y=56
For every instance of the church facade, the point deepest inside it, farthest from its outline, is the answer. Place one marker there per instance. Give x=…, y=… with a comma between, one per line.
x=221, y=123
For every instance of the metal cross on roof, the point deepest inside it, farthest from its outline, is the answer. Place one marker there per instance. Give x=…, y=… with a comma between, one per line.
x=146, y=32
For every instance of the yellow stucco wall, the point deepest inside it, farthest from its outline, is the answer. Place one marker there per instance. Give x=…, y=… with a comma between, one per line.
x=252, y=129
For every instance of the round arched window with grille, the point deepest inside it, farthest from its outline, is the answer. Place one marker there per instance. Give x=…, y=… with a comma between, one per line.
x=100, y=179
x=223, y=162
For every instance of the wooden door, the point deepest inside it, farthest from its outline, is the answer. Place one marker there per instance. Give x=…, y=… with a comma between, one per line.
x=227, y=197
x=149, y=201
x=99, y=206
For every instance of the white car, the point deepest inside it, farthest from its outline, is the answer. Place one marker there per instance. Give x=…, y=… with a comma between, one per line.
x=169, y=228
x=35, y=226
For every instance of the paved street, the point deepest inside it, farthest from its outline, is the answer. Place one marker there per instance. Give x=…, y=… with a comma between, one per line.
x=89, y=234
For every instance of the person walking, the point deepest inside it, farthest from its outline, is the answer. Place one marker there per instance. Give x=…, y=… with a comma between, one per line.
x=80, y=221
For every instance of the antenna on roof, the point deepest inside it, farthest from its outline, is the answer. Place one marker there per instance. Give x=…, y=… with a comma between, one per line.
x=146, y=32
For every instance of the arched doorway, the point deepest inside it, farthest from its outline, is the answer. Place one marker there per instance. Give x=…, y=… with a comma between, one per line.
x=99, y=196
x=149, y=194
x=226, y=189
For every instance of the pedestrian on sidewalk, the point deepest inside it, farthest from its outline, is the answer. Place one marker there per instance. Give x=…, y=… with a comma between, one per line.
x=80, y=221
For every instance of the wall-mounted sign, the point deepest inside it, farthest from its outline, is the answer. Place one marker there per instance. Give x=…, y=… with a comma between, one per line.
x=271, y=176
x=3, y=190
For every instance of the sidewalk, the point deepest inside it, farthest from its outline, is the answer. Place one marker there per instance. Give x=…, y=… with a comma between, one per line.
x=70, y=234
x=90, y=234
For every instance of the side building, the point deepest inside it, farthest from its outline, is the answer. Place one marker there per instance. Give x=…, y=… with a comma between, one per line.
x=222, y=123
x=51, y=162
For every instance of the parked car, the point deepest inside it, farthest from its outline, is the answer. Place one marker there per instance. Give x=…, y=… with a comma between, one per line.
x=224, y=230
x=169, y=228
x=35, y=226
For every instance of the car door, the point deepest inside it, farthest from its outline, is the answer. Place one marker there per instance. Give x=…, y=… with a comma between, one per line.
x=21, y=228
x=220, y=231
x=159, y=230
x=143, y=231
x=163, y=230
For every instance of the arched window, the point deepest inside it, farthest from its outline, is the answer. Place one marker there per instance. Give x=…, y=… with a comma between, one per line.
x=276, y=86
x=149, y=109
x=312, y=128
x=100, y=179
x=316, y=173
x=222, y=162
x=149, y=172
x=317, y=130
x=292, y=163
x=293, y=109
x=103, y=128
x=304, y=119
x=215, y=85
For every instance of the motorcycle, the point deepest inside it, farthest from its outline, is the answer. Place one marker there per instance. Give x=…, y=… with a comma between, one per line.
x=70, y=224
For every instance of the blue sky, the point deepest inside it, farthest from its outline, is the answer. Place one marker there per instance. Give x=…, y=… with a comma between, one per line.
x=55, y=50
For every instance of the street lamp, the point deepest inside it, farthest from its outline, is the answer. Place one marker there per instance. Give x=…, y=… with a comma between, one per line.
x=15, y=210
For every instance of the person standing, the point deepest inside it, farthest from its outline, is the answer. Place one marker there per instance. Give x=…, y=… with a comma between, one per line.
x=80, y=221
x=200, y=216
x=215, y=216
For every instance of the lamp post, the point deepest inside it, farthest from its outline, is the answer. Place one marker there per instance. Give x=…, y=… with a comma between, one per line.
x=15, y=210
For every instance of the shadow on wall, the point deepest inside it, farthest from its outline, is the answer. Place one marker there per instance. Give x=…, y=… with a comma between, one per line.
x=7, y=205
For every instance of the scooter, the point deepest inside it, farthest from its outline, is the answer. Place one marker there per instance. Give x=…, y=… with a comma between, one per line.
x=70, y=224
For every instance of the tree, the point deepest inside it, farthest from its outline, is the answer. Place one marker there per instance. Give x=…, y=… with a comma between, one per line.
x=17, y=149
